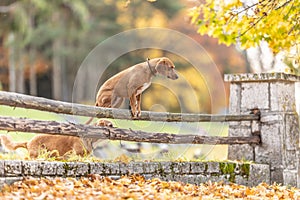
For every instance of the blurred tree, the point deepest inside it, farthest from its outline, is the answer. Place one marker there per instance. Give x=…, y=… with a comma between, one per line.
x=247, y=23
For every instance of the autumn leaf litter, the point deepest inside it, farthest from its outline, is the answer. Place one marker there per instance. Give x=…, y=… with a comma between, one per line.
x=137, y=187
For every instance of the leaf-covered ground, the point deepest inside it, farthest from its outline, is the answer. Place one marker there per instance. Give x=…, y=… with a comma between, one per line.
x=136, y=187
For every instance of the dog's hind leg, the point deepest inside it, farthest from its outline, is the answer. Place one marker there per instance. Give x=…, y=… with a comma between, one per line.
x=116, y=101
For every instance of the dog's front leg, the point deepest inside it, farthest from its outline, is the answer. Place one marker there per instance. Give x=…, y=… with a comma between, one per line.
x=133, y=105
x=138, y=104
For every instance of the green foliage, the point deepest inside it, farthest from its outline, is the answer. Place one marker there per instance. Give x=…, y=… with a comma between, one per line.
x=276, y=22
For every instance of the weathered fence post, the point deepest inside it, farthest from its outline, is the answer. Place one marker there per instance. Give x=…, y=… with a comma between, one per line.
x=274, y=95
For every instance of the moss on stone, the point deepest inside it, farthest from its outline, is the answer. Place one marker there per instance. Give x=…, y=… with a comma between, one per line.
x=245, y=168
x=228, y=168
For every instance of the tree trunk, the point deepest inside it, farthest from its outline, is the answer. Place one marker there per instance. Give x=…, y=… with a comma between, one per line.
x=21, y=81
x=56, y=70
x=12, y=63
x=32, y=57
x=32, y=72
x=43, y=104
x=56, y=63
x=98, y=132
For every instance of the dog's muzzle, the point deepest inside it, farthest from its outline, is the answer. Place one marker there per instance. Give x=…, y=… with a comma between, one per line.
x=173, y=77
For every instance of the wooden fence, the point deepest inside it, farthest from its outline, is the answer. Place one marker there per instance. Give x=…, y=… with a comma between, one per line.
x=82, y=130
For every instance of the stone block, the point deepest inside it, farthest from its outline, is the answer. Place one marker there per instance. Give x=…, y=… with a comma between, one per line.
x=2, y=164
x=213, y=168
x=51, y=168
x=111, y=168
x=198, y=167
x=271, y=118
x=282, y=96
x=123, y=167
x=254, y=94
x=138, y=168
x=181, y=167
x=76, y=169
x=135, y=168
x=13, y=168
x=235, y=98
x=290, y=160
x=270, y=150
x=59, y=168
x=151, y=167
x=292, y=132
x=255, y=126
x=276, y=174
x=96, y=168
x=239, y=131
x=240, y=152
x=166, y=167
x=259, y=173
x=32, y=168
x=290, y=177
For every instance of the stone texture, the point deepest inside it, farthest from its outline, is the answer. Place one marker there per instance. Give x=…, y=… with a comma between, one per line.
x=166, y=167
x=189, y=172
x=282, y=96
x=13, y=168
x=256, y=77
x=270, y=151
x=76, y=169
x=32, y=168
x=254, y=95
x=198, y=167
x=292, y=132
x=2, y=171
x=113, y=168
x=259, y=173
x=290, y=177
x=181, y=167
x=51, y=168
x=151, y=167
x=213, y=168
x=240, y=152
x=235, y=98
x=96, y=168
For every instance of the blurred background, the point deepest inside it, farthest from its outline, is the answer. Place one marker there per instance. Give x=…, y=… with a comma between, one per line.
x=43, y=44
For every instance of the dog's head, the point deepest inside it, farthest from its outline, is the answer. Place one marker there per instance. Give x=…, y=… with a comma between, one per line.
x=166, y=68
x=104, y=122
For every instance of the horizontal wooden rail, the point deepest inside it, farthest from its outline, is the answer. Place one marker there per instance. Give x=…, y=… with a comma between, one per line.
x=43, y=104
x=80, y=130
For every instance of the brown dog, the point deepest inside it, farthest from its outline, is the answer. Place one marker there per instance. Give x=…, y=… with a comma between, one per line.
x=58, y=145
x=131, y=82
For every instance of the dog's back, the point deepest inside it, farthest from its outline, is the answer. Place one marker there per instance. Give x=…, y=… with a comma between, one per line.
x=58, y=144
x=104, y=94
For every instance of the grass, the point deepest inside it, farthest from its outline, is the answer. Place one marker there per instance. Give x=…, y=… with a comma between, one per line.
x=149, y=152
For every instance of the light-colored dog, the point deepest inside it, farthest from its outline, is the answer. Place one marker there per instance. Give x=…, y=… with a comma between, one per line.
x=58, y=145
x=131, y=82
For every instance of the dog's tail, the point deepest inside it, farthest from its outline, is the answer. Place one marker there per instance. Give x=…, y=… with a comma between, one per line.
x=89, y=121
x=10, y=145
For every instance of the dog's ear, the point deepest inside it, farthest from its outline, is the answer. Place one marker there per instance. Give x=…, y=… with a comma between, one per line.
x=161, y=66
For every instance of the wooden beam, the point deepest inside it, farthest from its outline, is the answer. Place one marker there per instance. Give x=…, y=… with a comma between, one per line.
x=80, y=130
x=43, y=104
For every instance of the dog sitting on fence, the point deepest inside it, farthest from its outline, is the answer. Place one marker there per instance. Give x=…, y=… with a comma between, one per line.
x=131, y=82
x=57, y=145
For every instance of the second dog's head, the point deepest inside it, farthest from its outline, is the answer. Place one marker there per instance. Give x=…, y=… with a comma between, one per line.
x=166, y=68
x=104, y=122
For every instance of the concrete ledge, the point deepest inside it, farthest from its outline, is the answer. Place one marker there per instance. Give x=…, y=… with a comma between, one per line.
x=189, y=172
x=261, y=77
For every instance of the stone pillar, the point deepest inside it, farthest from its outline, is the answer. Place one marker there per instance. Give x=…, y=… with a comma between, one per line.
x=274, y=95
